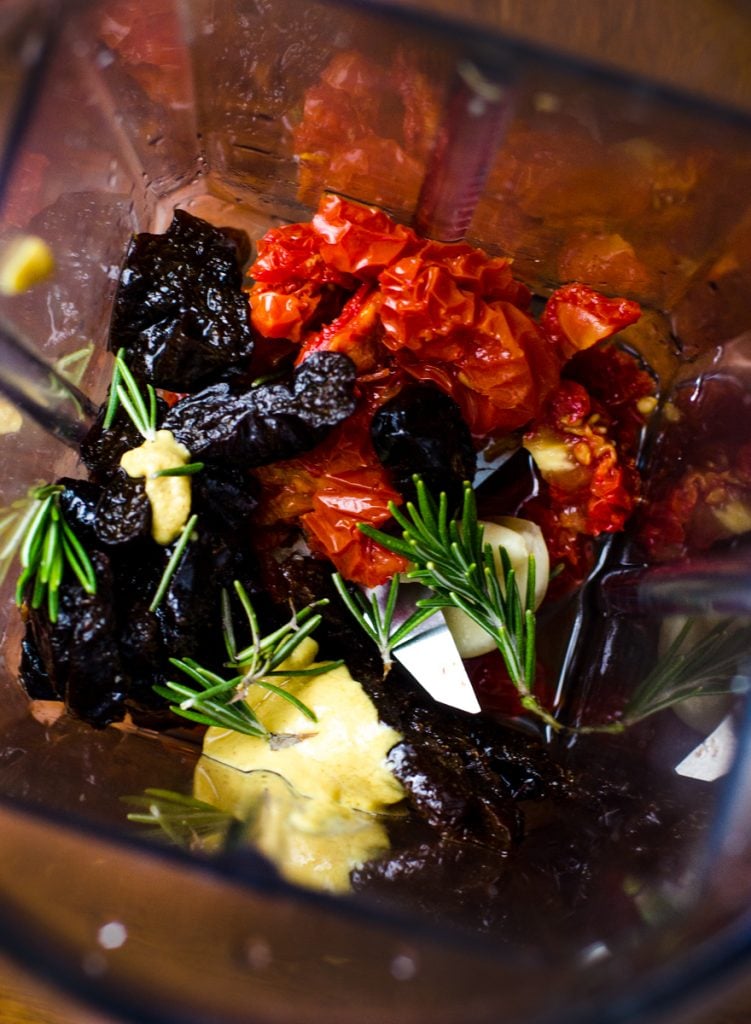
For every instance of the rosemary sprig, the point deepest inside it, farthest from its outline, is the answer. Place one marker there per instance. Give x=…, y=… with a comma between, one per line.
x=217, y=701
x=691, y=670
x=48, y=546
x=379, y=624
x=124, y=391
x=449, y=557
x=702, y=669
x=181, y=819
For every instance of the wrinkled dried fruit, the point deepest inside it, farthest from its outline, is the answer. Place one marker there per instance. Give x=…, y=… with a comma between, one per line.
x=270, y=422
x=124, y=511
x=421, y=430
x=180, y=313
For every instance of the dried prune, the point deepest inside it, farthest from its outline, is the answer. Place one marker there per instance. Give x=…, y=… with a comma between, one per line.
x=421, y=430
x=269, y=422
x=180, y=313
x=32, y=672
x=78, y=503
x=146, y=663
x=460, y=882
x=190, y=614
x=79, y=651
x=124, y=511
x=302, y=580
x=101, y=450
x=225, y=497
x=463, y=773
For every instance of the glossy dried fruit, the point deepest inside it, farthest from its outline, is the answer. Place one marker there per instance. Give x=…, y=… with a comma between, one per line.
x=123, y=513
x=253, y=427
x=421, y=430
x=79, y=652
x=180, y=313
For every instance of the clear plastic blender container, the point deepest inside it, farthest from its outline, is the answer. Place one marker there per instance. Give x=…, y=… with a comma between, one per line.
x=115, y=114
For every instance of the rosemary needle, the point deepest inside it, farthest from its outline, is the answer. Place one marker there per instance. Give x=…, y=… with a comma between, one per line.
x=696, y=669
x=181, y=819
x=174, y=560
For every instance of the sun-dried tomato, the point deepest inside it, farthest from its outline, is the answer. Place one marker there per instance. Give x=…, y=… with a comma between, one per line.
x=577, y=317
x=292, y=281
x=617, y=381
x=703, y=506
x=606, y=260
x=150, y=42
x=584, y=445
x=359, y=240
x=591, y=485
x=445, y=313
x=305, y=270
x=354, y=332
x=454, y=316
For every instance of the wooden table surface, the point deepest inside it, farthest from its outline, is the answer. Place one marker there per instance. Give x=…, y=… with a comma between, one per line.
x=701, y=45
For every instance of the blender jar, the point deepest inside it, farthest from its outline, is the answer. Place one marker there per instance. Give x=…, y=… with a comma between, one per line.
x=113, y=115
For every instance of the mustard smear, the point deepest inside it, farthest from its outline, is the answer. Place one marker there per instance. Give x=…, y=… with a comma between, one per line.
x=169, y=495
x=313, y=791
x=313, y=843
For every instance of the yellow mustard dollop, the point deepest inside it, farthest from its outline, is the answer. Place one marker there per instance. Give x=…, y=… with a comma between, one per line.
x=169, y=495
x=312, y=794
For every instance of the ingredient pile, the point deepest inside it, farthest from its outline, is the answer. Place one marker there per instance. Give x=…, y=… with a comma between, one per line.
x=273, y=451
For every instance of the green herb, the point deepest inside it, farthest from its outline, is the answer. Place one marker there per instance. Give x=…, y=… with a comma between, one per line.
x=451, y=559
x=174, y=560
x=190, y=469
x=379, y=624
x=112, y=398
x=48, y=546
x=73, y=365
x=699, y=669
x=181, y=819
x=124, y=390
x=70, y=367
x=221, y=702
x=15, y=520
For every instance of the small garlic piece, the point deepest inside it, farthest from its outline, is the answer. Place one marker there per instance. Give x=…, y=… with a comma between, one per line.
x=521, y=538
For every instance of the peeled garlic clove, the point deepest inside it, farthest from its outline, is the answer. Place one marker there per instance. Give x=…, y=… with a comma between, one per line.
x=521, y=539
x=536, y=546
